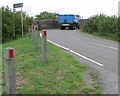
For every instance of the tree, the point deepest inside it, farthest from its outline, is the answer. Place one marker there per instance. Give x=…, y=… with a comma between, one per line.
x=103, y=25
x=46, y=15
x=0, y=25
x=7, y=24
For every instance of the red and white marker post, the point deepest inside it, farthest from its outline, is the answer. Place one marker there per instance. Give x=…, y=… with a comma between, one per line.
x=10, y=71
x=33, y=32
x=44, y=46
x=36, y=36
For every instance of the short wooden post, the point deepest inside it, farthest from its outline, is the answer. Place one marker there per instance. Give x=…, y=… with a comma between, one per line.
x=33, y=32
x=36, y=36
x=44, y=46
x=10, y=71
x=29, y=32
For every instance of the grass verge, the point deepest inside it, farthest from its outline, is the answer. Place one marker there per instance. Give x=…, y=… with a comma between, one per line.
x=62, y=74
x=97, y=86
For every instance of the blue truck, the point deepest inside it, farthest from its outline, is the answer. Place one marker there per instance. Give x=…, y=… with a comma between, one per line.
x=68, y=21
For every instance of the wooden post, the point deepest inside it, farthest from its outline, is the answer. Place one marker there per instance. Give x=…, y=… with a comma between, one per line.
x=33, y=32
x=29, y=32
x=36, y=39
x=36, y=36
x=44, y=46
x=10, y=71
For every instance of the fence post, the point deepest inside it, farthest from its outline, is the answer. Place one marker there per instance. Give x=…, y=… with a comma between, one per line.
x=44, y=46
x=33, y=32
x=10, y=71
x=36, y=36
x=29, y=32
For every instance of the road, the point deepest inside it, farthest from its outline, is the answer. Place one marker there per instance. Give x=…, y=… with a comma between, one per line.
x=99, y=55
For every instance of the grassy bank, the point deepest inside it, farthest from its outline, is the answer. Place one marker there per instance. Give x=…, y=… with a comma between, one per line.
x=62, y=74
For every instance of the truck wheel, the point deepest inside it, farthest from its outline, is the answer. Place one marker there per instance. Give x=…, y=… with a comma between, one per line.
x=70, y=28
x=77, y=26
x=62, y=28
x=73, y=28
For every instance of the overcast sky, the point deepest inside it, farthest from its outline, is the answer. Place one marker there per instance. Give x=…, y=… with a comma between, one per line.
x=84, y=8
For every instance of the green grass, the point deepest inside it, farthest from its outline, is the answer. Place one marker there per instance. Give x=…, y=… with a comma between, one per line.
x=62, y=74
x=94, y=77
x=93, y=88
x=97, y=87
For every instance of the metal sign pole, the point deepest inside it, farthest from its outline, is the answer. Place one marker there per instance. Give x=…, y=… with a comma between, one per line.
x=22, y=21
x=13, y=23
x=17, y=6
x=119, y=8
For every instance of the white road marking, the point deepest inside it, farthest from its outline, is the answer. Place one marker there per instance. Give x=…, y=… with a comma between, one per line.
x=95, y=43
x=96, y=37
x=40, y=34
x=105, y=46
x=53, y=43
x=73, y=37
x=65, y=48
x=84, y=57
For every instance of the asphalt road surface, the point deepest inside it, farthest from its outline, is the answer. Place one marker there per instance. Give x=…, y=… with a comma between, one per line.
x=99, y=55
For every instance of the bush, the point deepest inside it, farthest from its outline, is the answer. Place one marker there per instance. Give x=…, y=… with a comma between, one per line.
x=7, y=24
x=103, y=25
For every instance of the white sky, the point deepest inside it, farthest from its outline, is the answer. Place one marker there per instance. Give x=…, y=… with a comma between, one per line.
x=84, y=8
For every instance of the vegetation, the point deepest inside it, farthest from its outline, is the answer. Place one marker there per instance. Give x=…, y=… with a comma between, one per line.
x=0, y=25
x=46, y=15
x=94, y=77
x=7, y=24
x=59, y=75
x=104, y=26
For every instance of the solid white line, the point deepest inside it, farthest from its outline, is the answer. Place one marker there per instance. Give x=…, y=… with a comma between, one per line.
x=53, y=43
x=65, y=48
x=87, y=58
x=105, y=46
x=40, y=34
